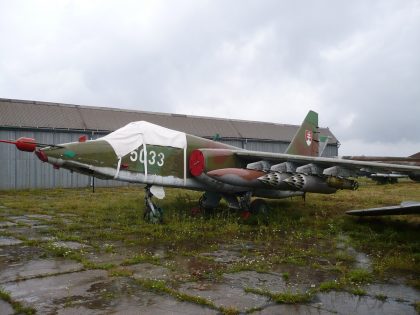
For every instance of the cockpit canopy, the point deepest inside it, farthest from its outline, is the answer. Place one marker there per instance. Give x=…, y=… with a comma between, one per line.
x=137, y=133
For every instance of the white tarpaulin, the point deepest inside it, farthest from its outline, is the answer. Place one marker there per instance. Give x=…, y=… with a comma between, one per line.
x=133, y=135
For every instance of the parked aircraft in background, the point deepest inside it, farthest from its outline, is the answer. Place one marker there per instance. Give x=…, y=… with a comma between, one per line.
x=141, y=152
x=384, y=178
x=406, y=207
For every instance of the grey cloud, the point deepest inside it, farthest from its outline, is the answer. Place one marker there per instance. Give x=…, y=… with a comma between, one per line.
x=261, y=60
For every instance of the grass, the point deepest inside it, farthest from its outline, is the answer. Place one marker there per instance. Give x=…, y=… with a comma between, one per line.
x=291, y=298
x=358, y=291
x=120, y=272
x=298, y=234
x=359, y=276
x=417, y=306
x=141, y=258
x=160, y=286
x=381, y=297
x=328, y=286
x=17, y=307
x=287, y=297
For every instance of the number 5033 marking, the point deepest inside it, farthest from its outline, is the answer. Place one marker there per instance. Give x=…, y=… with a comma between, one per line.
x=154, y=158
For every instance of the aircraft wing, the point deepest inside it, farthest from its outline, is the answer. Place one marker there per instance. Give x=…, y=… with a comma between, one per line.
x=407, y=207
x=326, y=166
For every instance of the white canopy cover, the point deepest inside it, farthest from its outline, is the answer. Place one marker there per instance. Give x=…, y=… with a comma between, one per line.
x=136, y=133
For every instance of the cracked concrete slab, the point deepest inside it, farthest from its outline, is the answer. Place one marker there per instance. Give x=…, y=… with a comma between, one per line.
x=40, y=216
x=6, y=308
x=6, y=224
x=397, y=292
x=149, y=271
x=92, y=292
x=37, y=268
x=9, y=241
x=224, y=256
x=25, y=220
x=106, y=258
x=60, y=286
x=346, y=303
x=42, y=293
x=224, y=295
x=153, y=304
x=256, y=280
x=70, y=245
x=298, y=309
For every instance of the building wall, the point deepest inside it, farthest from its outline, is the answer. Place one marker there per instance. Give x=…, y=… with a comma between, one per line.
x=22, y=170
x=330, y=151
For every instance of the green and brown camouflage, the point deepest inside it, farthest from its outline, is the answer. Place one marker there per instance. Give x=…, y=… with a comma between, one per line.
x=306, y=140
x=156, y=156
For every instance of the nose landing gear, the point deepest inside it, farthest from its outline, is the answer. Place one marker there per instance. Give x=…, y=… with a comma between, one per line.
x=153, y=213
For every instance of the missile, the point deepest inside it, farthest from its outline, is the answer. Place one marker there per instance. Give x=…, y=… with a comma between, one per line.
x=276, y=179
x=316, y=184
x=309, y=183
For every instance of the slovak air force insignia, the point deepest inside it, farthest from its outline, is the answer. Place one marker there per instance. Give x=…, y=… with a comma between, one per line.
x=308, y=137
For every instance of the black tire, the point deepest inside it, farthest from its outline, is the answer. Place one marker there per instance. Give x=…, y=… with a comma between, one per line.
x=259, y=206
x=260, y=212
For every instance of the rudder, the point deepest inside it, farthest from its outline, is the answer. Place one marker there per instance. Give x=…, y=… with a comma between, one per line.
x=306, y=139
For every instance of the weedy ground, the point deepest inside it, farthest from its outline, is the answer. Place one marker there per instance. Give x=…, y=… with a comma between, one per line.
x=296, y=232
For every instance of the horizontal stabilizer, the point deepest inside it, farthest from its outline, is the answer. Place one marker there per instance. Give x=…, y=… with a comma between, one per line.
x=406, y=207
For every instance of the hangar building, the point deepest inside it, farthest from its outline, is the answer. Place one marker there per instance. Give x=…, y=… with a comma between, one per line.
x=61, y=123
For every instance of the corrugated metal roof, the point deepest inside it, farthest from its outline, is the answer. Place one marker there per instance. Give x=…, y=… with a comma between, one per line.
x=32, y=114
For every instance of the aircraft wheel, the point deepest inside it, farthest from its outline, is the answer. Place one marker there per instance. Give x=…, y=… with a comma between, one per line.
x=156, y=217
x=259, y=210
x=259, y=206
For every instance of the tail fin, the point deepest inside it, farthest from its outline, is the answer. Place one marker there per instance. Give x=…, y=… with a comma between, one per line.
x=306, y=140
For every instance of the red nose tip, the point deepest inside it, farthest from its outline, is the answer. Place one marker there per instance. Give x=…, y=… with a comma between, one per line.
x=26, y=144
x=23, y=144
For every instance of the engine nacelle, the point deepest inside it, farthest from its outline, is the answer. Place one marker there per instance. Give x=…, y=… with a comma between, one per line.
x=204, y=160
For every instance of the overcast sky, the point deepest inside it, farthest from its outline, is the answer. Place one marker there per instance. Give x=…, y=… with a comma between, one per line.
x=357, y=63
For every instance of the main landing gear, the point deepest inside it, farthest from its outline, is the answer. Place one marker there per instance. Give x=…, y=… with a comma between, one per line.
x=153, y=213
x=256, y=208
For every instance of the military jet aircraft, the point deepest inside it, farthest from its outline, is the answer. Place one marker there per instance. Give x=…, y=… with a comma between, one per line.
x=142, y=152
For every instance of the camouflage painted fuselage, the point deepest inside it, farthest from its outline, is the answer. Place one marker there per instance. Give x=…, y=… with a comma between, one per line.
x=144, y=153
x=166, y=166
